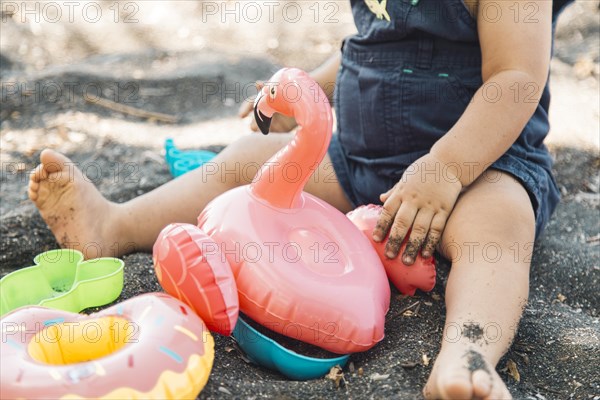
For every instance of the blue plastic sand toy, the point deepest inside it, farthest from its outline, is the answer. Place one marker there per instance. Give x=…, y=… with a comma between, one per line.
x=182, y=161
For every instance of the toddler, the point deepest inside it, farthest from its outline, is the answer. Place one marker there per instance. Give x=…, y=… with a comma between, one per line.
x=442, y=109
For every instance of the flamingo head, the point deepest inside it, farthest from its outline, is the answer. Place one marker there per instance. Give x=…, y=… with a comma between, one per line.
x=281, y=94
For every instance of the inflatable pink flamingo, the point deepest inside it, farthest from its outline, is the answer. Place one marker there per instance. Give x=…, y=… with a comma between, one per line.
x=301, y=267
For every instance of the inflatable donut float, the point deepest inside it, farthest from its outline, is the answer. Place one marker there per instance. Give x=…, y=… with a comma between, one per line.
x=149, y=347
x=406, y=278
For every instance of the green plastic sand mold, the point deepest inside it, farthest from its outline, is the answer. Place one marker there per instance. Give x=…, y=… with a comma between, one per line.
x=61, y=279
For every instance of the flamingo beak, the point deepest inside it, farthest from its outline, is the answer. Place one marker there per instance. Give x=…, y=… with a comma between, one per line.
x=263, y=122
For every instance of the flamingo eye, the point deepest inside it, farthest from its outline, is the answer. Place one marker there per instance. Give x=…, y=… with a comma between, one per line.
x=272, y=92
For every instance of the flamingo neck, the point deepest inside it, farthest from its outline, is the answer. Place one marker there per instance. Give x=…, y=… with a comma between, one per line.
x=281, y=180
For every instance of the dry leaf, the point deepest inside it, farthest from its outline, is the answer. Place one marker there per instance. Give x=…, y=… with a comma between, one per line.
x=428, y=303
x=408, y=313
x=379, y=377
x=436, y=297
x=513, y=371
x=426, y=360
x=561, y=297
x=336, y=375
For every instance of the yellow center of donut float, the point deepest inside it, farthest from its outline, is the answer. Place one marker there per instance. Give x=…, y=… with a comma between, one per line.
x=70, y=342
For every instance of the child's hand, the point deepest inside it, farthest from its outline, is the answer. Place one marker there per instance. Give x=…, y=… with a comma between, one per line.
x=423, y=199
x=280, y=123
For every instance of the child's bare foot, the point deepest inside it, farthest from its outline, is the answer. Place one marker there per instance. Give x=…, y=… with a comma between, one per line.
x=77, y=214
x=462, y=373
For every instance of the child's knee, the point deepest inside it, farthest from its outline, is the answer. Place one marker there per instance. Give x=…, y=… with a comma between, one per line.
x=491, y=223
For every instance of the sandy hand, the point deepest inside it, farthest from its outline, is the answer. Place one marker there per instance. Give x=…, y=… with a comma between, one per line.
x=421, y=203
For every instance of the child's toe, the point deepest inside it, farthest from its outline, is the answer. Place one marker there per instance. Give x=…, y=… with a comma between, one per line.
x=456, y=384
x=498, y=391
x=32, y=192
x=482, y=383
x=38, y=174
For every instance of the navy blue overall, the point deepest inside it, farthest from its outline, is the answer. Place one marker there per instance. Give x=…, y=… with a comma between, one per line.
x=403, y=84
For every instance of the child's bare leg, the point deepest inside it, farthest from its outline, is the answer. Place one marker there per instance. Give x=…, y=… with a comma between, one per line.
x=488, y=238
x=81, y=218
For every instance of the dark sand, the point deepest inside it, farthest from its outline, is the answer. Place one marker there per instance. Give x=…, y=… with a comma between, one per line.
x=557, y=348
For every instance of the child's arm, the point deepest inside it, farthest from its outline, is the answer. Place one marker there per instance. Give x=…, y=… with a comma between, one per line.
x=325, y=75
x=515, y=60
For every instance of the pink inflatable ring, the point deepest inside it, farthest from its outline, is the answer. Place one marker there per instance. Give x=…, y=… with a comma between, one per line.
x=149, y=347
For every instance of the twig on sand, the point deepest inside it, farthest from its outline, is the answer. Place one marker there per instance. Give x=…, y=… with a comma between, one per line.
x=547, y=389
x=417, y=309
x=136, y=112
x=405, y=309
x=593, y=239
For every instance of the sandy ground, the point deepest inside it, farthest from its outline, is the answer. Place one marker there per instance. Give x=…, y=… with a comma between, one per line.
x=193, y=62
